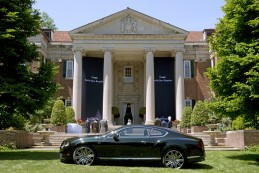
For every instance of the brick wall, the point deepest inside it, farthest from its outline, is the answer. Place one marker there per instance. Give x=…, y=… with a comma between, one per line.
x=67, y=84
x=21, y=139
x=197, y=88
x=242, y=138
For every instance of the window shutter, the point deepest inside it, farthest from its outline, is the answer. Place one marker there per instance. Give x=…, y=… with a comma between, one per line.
x=192, y=68
x=64, y=68
x=193, y=103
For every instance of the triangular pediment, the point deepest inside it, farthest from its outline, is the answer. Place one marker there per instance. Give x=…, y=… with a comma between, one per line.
x=128, y=22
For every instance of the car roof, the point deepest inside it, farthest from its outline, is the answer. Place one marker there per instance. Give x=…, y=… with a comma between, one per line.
x=146, y=126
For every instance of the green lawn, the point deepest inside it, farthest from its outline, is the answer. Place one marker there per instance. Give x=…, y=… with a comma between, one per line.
x=24, y=161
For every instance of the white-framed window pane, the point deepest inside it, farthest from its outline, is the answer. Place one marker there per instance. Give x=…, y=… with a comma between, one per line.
x=69, y=69
x=68, y=103
x=188, y=102
x=128, y=77
x=187, y=69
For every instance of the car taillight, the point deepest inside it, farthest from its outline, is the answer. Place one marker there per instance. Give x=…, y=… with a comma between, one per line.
x=200, y=144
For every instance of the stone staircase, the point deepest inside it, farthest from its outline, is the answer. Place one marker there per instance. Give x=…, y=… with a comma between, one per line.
x=219, y=139
x=58, y=137
x=55, y=139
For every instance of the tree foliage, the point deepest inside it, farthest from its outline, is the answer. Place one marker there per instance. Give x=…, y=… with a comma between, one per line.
x=22, y=91
x=70, y=114
x=186, y=117
x=235, y=79
x=58, y=114
x=200, y=114
x=47, y=22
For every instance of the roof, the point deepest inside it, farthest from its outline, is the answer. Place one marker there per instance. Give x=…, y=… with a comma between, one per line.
x=127, y=12
x=194, y=36
x=63, y=36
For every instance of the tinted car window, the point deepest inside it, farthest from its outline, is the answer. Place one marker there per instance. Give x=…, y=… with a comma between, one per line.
x=133, y=132
x=156, y=132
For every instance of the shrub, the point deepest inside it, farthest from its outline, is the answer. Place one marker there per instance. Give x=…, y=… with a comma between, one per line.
x=6, y=147
x=115, y=112
x=58, y=114
x=238, y=123
x=253, y=148
x=142, y=112
x=70, y=114
x=186, y=117
x=18, y=121
x=225, y=124
x=200, y=114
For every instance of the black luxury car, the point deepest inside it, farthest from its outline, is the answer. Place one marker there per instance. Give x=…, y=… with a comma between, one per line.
x=135, y=142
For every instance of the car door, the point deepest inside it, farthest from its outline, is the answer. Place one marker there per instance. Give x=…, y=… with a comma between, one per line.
x=132, y=142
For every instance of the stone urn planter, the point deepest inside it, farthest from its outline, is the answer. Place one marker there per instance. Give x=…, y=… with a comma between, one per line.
x=198, y=129
x=212, y=127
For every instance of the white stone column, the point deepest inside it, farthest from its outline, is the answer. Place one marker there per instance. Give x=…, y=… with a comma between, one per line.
x=107, y=86
x=179, y=84
x=150, y=89
x=77, y=82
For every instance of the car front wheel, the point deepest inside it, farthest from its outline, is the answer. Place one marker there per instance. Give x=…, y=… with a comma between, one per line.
x=84, y=155
x=173, y=158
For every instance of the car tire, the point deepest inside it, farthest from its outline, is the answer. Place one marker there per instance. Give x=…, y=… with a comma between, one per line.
x=174, y=158
x=84, y=155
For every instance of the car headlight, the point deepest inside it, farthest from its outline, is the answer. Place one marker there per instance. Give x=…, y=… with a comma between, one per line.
x=64, y=144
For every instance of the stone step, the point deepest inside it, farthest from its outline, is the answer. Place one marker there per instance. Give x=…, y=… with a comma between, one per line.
x=57, y=138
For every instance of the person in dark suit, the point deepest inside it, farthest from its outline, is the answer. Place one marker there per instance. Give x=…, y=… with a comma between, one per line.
x=128, y=114
x=95, y=126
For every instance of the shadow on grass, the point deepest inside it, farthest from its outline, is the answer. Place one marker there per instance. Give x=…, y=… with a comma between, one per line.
x=28, y=155
x=152, y=164
x=54, y=155
x=247, y=157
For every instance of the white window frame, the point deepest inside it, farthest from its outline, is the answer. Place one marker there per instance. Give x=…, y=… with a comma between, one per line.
x=68, y=103
x=187, y=69
x=69, y=69
x=128, y=74
x=188, y=102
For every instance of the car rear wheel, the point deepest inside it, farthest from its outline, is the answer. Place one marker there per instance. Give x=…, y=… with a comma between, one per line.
x=173, y=158
x=84, y=155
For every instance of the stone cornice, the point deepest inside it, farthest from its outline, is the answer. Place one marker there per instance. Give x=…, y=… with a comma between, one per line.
x=77, y=50
x=129, y=36
x=150, y=49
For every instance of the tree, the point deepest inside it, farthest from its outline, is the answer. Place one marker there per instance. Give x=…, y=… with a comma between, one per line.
x=22, y=91
x=47, y=22
x=200, y=114
x=186, y=118
x=70, y=114
x=58, y=114
x=235, y=79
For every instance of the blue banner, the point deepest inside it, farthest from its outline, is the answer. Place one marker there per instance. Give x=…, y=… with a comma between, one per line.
x=164, y=87
x=92, y=88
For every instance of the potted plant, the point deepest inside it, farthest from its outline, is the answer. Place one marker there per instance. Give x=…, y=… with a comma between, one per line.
x=185, y=123
x=212, y=122
x=115, y=112
x=199, y=117
x=142, y=112
x=58, y=116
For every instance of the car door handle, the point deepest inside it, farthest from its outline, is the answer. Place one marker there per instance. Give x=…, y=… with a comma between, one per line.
x=143, y=142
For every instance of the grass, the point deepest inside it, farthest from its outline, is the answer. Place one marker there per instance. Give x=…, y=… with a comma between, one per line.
x=24, y=161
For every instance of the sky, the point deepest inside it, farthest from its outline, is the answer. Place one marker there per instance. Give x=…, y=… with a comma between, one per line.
x=190, y=15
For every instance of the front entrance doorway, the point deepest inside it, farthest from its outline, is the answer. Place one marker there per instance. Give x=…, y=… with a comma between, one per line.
x=128, y=113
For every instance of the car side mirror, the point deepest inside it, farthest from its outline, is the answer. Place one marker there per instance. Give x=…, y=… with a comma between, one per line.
x=116, y=136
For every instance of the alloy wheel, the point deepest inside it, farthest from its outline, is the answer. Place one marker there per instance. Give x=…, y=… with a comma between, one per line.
x=173, y=159
x=84, y=155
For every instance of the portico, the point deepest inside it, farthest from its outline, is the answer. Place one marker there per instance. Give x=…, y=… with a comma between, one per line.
x=128, y=50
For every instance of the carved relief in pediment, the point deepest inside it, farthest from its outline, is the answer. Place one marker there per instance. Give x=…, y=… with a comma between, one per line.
x=128, y=25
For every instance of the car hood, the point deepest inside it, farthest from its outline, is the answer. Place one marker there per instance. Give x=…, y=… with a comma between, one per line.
x=85, y=138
